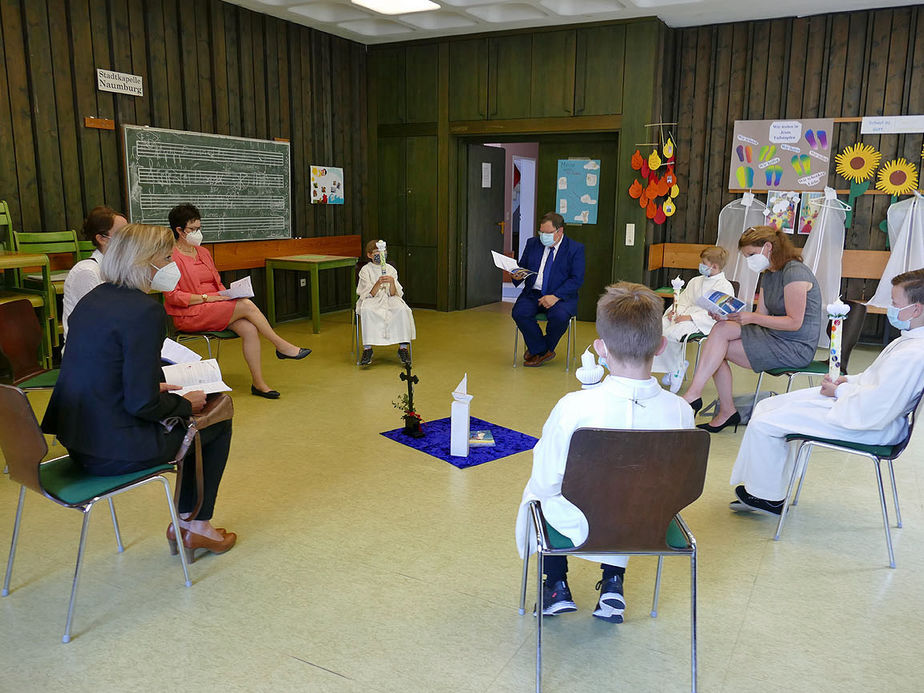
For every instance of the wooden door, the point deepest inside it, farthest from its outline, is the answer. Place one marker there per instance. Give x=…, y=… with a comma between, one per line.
x=484, y=215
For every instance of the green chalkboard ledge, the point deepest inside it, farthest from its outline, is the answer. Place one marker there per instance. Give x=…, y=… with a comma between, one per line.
x=252, y=254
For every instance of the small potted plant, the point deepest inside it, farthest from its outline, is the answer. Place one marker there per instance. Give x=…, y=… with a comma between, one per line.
x=412, y=420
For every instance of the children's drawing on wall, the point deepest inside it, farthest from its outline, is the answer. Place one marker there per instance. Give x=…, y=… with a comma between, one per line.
x=326, y=185
x=782, y=210
x=808, y=214
x=578, y=190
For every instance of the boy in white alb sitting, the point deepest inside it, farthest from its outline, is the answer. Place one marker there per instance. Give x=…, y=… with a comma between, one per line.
x=686, y=317
x=629, y=329
x=384, y=316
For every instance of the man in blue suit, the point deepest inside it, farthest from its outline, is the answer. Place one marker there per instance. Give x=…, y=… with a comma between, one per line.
x=558, y=263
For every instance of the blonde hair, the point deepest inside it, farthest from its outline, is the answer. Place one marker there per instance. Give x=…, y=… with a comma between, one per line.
x=132, y=251
x=783, y=250
x=715, y=254
x=629, y=321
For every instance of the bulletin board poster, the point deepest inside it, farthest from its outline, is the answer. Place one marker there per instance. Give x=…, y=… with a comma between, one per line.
x=781, y=154
x=578, y=190
x=326, y=185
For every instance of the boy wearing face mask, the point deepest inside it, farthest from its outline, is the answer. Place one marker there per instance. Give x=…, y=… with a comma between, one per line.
x=686, y=317
x=629, y=329
x=384, y=316
x=869, y=407
x=558, y=264
x=197, y=306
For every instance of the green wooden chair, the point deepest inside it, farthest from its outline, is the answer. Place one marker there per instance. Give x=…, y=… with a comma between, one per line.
x=84, y=249
x=6, y=226
x=218, y=336
x=63, y=481
x=877, y=454
x=48, y=243
x=21, y=359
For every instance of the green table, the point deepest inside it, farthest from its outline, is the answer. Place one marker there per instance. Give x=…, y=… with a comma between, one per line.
x=304, y=263
x=43, y=298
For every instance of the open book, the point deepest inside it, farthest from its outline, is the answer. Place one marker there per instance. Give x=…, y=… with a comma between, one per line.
x=174, y=352
x=242, y=288
x=196, y=375
x=720, y=304
x=508, y=264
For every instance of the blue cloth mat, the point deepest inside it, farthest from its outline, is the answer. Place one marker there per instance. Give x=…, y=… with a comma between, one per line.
x=436, y=442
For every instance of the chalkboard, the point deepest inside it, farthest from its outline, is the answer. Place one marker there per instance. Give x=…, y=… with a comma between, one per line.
x=241, y=186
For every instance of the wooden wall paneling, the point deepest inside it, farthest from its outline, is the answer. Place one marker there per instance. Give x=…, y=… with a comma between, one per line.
x=158, y=86
x=468, y=79
x=598, y=72
x=84, y=75
x=67, y=121
x=233, y=56
x=338, y=86
x=420, y=83
x=685, y=218
x=283, y=126
x=271, y=51
x=359, y=138
x=815, y=76
x=309, y=125
x=779, y=35
x=260, y=93
x=9, y=185
x=796, y=74
x=106, y=105
x=38, y=46
x=137, y=37
x=172, y=52
x=121, y=49
x=758, y=76
x=388, y=81
x=552, y=74
x=718, y=144
x=297, y=115
x=698, y=152
x=510, y=76
x=422, y=191
x=245, y=57
x=218, y=55
x=204, y=85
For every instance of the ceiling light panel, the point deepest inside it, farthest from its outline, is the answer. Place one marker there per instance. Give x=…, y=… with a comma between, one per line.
x=392, y=7
x=513, y=12
x=437, y=21
x=576, y=8
x=375, y=27
x=330, y=12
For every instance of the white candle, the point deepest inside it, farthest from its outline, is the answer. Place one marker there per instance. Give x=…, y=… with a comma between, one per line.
x=677, y=283
x=590, y=373
x=837, y=311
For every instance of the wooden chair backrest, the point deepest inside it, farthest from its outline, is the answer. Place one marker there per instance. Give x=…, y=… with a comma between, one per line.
x=630, y=483
x=46, y=242
x=21, y=439
x=21, y=340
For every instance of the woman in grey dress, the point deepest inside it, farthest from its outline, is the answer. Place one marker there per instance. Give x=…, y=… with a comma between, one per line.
x=783, y=333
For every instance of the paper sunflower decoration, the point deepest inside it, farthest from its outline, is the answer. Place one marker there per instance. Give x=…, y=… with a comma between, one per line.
x=897, y=177
x=858, y=162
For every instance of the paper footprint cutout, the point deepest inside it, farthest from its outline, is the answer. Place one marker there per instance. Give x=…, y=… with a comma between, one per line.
x=742, y=175
x=806, y=164
x=796, y=166
x=778, y=177
x=763, y=153
x=771, y=152
x=749, y=153
x=740, y=150
x=810, y=138
x=823, y=138
x=768, y=172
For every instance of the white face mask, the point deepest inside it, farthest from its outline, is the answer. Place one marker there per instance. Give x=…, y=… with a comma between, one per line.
x=546, y=239
x=758, y=261
x=194, y=237
x=165, y=278
x=705, y=269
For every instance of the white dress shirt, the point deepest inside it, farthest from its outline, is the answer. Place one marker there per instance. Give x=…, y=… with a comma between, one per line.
x=81, y=279
x=545, y=256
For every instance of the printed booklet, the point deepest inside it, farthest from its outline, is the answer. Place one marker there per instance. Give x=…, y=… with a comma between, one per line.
x=720, y=304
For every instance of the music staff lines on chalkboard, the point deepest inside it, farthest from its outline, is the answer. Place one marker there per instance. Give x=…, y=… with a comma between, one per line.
x=168, y=176
x=231, y=223
x=162, y=150
x=168, y=201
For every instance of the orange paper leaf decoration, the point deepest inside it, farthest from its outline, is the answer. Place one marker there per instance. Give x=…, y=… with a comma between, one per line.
x=635, y=190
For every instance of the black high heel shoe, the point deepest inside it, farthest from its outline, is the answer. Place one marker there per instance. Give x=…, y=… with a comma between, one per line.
x=732, y=420
x=302, y=353
x=696, y=405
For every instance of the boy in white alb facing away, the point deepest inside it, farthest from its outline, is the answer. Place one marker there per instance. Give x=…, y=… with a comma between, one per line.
x=384, y=316
x=629, y=329
x=686, y=317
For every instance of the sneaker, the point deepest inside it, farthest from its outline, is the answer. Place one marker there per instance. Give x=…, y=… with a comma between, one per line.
x=366, y=358
x=678, y=376
x=405, y=355
x=556, y=599
x=747, y=503
x=611, y=604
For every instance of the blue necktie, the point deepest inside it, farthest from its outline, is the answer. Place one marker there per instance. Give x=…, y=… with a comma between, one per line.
x=547, y=270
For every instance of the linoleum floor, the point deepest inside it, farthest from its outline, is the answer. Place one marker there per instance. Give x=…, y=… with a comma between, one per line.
x=363, y=565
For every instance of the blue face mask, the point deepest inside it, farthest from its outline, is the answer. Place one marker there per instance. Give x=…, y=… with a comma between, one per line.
x=705, y=269
x=547, y=238
x=892, y=314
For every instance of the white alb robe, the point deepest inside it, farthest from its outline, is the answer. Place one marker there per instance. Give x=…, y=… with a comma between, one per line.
x=869, y=408
x=672, y=357
x=385, y=319
x=609, y=405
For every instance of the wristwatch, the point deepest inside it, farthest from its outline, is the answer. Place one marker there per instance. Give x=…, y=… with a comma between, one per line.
x=205, y=298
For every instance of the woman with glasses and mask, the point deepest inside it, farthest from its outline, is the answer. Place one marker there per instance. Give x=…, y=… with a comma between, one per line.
x=99, y=226
x=782, y=333
x=109, y=401
x=197, y=306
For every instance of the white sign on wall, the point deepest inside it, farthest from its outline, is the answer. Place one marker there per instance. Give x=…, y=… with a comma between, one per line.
x=119, y=82
x=892, y=124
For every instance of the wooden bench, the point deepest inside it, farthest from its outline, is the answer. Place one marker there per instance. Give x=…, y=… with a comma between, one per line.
x=856, y=264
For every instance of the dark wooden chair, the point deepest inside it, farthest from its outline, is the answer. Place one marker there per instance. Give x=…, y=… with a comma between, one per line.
x=63, y=481
x=21, y=356
x=631, y=486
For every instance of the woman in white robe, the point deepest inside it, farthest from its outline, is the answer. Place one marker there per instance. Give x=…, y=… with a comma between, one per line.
x=384, y=316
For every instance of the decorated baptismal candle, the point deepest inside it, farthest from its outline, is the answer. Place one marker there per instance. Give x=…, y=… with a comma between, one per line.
x=677, y=283
x=380, y=246
x=590, y=373
x=837, y=311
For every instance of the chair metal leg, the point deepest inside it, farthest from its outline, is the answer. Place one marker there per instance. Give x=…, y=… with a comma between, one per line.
x=572, y=342
x=16, y=524
x=693, y=619
x=539, y=570
x=80, y=550
x=657, y=588
x=356, y=338
x=218, y=349
x=801, y=481
x=800, y=461
x=760, y=378
x=115, y=526
x=885, y=512
x=898, y=513
x=699, y=348
x=525, y=575
x=176, y=523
